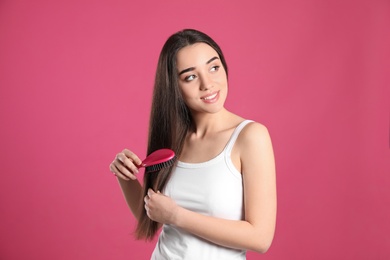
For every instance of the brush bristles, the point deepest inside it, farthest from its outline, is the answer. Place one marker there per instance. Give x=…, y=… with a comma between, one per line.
x=159, y=166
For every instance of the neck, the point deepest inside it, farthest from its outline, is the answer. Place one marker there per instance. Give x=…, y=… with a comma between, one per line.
x=205, y=123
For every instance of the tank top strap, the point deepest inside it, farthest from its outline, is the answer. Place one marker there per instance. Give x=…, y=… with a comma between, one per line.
x=233, y=138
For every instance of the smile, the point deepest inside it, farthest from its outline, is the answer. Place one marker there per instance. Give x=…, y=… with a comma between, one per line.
x=211, y=98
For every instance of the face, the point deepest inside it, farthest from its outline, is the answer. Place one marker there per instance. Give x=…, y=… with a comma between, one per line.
x=202, y=78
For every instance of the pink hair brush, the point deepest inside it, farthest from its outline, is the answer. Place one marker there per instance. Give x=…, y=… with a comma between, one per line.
x=157, y=160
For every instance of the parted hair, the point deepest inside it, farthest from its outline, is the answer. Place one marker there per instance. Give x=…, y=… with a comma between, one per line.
x=170, y=118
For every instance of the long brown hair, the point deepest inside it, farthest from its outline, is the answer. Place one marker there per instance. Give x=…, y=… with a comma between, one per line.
x=170, y=118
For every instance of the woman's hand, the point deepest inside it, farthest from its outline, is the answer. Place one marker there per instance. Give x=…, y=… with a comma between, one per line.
x=124, y=165
x=160, y=208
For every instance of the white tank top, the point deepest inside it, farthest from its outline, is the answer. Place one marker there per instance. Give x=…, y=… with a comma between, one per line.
x=212, y=188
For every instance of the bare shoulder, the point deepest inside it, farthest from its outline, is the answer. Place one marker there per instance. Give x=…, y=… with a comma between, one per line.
x=253, y=133
x=254, y=143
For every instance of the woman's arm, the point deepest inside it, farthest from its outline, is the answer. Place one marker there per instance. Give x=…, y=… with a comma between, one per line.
x=256, y=231
x=124, y=168
x=132, y=191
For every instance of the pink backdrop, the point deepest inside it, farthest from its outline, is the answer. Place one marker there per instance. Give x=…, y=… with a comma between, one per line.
x=75, y=88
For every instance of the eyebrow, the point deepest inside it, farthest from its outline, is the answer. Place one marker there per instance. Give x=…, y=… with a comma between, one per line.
x=192, y=68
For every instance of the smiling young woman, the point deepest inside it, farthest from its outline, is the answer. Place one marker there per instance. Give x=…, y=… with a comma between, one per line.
x=202, y=78
x=219, y=198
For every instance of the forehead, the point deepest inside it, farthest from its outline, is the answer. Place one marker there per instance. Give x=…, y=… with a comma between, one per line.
x=194, y=55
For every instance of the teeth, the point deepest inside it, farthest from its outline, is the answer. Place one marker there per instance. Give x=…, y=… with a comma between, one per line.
x=210, y=97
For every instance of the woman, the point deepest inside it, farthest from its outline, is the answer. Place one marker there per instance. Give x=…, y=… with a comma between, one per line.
x=219, y=199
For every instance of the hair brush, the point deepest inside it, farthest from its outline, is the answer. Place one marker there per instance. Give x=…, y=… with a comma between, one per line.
x=157, y=160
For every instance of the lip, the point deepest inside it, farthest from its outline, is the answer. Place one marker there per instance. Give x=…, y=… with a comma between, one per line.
x=210, y=98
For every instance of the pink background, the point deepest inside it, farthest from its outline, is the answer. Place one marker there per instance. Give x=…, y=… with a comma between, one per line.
x=75, y=89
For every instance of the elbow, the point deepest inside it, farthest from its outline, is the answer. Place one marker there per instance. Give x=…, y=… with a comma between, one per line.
x=262, y=239
x=261, y=248
x=261, y=245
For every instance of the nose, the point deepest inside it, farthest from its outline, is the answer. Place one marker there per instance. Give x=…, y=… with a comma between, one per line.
x=206, y=83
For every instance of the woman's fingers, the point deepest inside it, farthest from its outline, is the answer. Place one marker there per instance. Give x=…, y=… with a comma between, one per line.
x=150, y=192
x=121, y=171
x=124, y=166
x=132, y=156
x=159, y=207
x=127, y=163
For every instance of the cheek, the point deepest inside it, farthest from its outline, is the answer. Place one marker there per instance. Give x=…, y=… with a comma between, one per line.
x=223, y=85
x=184, y=93
x=187, y=96
x=188, y=91
x=222, y=79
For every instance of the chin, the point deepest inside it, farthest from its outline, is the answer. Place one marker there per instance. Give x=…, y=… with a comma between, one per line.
x=215, y=109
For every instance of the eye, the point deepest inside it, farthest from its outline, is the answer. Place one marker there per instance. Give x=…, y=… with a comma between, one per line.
x=190, y=78
x=215, y=68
